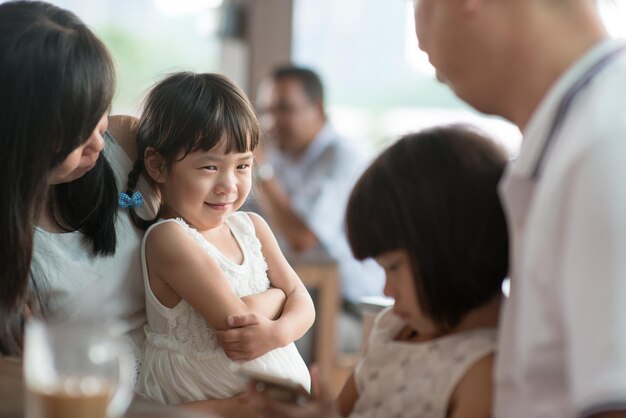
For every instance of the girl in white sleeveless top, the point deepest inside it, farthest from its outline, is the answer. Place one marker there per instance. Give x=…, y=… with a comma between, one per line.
x=204, y=263
x=427, y=211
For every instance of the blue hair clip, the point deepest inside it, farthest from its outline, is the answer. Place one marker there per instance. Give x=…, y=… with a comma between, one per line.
x=125, y=201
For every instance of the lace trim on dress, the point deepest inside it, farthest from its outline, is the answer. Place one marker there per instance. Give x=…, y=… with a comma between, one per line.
x=254, y=263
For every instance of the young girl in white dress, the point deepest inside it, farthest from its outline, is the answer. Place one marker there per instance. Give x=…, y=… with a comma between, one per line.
x=204, y=263
x=428, y=211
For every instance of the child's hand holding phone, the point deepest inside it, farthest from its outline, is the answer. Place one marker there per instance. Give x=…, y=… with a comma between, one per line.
x=319, y=405
x=274, y=387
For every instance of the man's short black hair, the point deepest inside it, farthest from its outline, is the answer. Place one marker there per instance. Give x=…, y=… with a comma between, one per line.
x=309, y=79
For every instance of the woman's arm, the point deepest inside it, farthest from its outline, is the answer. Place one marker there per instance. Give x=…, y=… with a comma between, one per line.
x=124, y=129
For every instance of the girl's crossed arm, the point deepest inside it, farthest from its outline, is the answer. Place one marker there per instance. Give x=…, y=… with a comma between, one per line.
x=178, y=268
x=253, y=336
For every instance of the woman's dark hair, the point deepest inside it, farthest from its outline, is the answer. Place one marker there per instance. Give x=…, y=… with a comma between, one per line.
x=434, y=195
x=56, y=82
x=189, y=112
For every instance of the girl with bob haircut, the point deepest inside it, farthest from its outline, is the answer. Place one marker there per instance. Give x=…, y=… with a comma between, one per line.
x=56, y=84
x=205, y=264
x=427, y=210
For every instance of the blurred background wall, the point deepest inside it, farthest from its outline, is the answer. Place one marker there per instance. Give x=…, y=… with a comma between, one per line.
x=379, y=84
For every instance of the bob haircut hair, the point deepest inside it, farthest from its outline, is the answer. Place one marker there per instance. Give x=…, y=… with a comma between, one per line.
x=188, y=112
x=434, y=195
x=56, y=83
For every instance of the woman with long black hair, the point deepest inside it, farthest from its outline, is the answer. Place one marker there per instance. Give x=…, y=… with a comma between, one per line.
x=57, y=82
x=67, y=252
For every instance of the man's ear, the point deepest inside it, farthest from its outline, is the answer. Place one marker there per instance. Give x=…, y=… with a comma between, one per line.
x=155, y=165
x=471, y=6
x=319, y=107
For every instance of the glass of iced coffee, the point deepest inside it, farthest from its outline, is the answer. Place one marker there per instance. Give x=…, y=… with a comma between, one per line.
x=76, y=370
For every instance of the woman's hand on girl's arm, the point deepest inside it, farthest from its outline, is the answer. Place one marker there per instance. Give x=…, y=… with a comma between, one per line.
x=321, y=404
x=298, y=313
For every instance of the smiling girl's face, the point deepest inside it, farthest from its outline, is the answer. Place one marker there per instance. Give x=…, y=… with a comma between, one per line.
x=205, y=187
x=400, y=285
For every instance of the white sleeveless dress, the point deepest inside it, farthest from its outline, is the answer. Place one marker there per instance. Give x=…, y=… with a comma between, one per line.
x=181, y=359
x=399, y=379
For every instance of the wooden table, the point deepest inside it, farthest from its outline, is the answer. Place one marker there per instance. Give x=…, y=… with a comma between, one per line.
x=12, y=397
x=319, y=272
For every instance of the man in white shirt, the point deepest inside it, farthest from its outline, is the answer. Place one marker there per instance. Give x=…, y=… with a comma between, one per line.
x=549, y=66
x=305, y=180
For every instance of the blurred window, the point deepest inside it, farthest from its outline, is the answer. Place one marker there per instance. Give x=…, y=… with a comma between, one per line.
x=379, y=84
x=151, y=38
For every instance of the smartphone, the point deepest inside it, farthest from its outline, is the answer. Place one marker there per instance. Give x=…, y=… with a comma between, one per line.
x=274, y=387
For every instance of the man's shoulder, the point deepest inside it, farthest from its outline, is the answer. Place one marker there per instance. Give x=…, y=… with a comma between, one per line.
x=344, y=147
x=344, y=156
x=596, y=121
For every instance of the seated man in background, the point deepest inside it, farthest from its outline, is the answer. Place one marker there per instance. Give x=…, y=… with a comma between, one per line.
x=305, y=179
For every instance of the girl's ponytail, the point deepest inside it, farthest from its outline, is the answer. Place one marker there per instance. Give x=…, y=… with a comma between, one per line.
x=135, y=197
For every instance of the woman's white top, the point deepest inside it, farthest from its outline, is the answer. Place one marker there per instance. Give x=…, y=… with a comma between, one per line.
x=72, y=283
x=181, y=359
x=403, y=379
